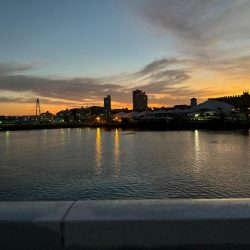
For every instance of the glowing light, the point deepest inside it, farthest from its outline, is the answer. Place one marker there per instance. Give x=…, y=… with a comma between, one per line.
x=196, y=115
x=117, y=119
x=98, y=119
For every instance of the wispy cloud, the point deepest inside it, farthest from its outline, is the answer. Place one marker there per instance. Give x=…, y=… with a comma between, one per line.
x=165, y=80
x=215, y=34
x=156, y=75
x=13, y=68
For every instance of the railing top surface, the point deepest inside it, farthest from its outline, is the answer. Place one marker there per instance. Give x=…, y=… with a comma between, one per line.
x=170, y=209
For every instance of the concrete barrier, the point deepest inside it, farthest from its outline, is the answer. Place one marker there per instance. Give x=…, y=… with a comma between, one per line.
x=32, y=225
x=126, y=224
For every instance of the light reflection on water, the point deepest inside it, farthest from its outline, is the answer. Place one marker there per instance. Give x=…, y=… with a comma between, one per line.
x=197, y=151
x=7, y=138
x=62, y=135
x=45, y=136
x=117, y=153
x=71, y=164
x=98, y=151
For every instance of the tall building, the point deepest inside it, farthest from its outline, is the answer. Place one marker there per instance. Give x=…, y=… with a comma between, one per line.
x=193, y=102
x=140, y=100
x=107, y=104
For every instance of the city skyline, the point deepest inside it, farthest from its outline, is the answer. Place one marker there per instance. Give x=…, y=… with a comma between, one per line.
x=72, y=54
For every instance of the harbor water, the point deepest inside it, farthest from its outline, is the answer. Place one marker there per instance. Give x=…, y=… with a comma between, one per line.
x=84, y=163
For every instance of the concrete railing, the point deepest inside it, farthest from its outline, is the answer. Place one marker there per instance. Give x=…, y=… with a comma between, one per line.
x=126, y=224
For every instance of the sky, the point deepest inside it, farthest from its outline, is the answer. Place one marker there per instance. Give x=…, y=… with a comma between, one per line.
x=72, y=53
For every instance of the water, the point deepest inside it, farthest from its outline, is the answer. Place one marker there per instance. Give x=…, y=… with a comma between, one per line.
x=72, y=164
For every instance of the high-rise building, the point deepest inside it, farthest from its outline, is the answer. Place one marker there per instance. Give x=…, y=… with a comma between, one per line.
x=107, y=104
x=193, y=102
x=140, y=100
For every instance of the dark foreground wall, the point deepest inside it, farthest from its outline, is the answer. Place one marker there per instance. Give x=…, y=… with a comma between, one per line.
x=120, y=224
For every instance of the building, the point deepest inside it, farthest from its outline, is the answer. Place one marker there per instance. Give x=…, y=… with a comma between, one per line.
x=181, y=107
x=193, y=102
x=140, y=100
x=107, y=104
x=215, y=106
x=47, y=117
x=240, y=102
x=217, y=110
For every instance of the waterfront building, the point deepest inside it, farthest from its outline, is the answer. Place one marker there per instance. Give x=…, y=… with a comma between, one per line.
x=156, y=116
x=96, y=110
x=215, y=106
x=107, y=104
x=181, y=107
x=208, y=110
x=64, y=116
x=140, y=100
x=240, y=102
x=193, y=102
x=47, y=117
x=217, y=110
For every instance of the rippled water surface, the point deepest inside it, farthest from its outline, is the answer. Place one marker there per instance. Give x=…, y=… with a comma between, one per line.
x=71, y=164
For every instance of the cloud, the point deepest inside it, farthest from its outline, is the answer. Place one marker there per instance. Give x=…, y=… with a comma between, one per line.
x=157, y=76
x=68, y=89
x=24, y=100
x=11, y=68
x=161, y=64
x=160, y=82
x=212, y=33
x=199, y=22
x=161, y=74
x=164, y=80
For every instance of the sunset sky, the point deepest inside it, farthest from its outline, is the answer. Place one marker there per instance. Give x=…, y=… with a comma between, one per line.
x=72, y=53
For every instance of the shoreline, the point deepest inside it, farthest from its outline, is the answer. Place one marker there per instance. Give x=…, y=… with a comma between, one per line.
x=176, y=125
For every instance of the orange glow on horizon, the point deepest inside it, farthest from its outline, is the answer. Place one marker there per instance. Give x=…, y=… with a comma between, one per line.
x=12, y=109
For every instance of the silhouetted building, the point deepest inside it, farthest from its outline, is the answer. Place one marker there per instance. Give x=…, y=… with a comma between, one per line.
x=107, y=104
x=181, y=106
x=46, y=117
x=96, y=110
x=193, y=102
x=65, y=116
x=140, y=100
x=240, y=102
